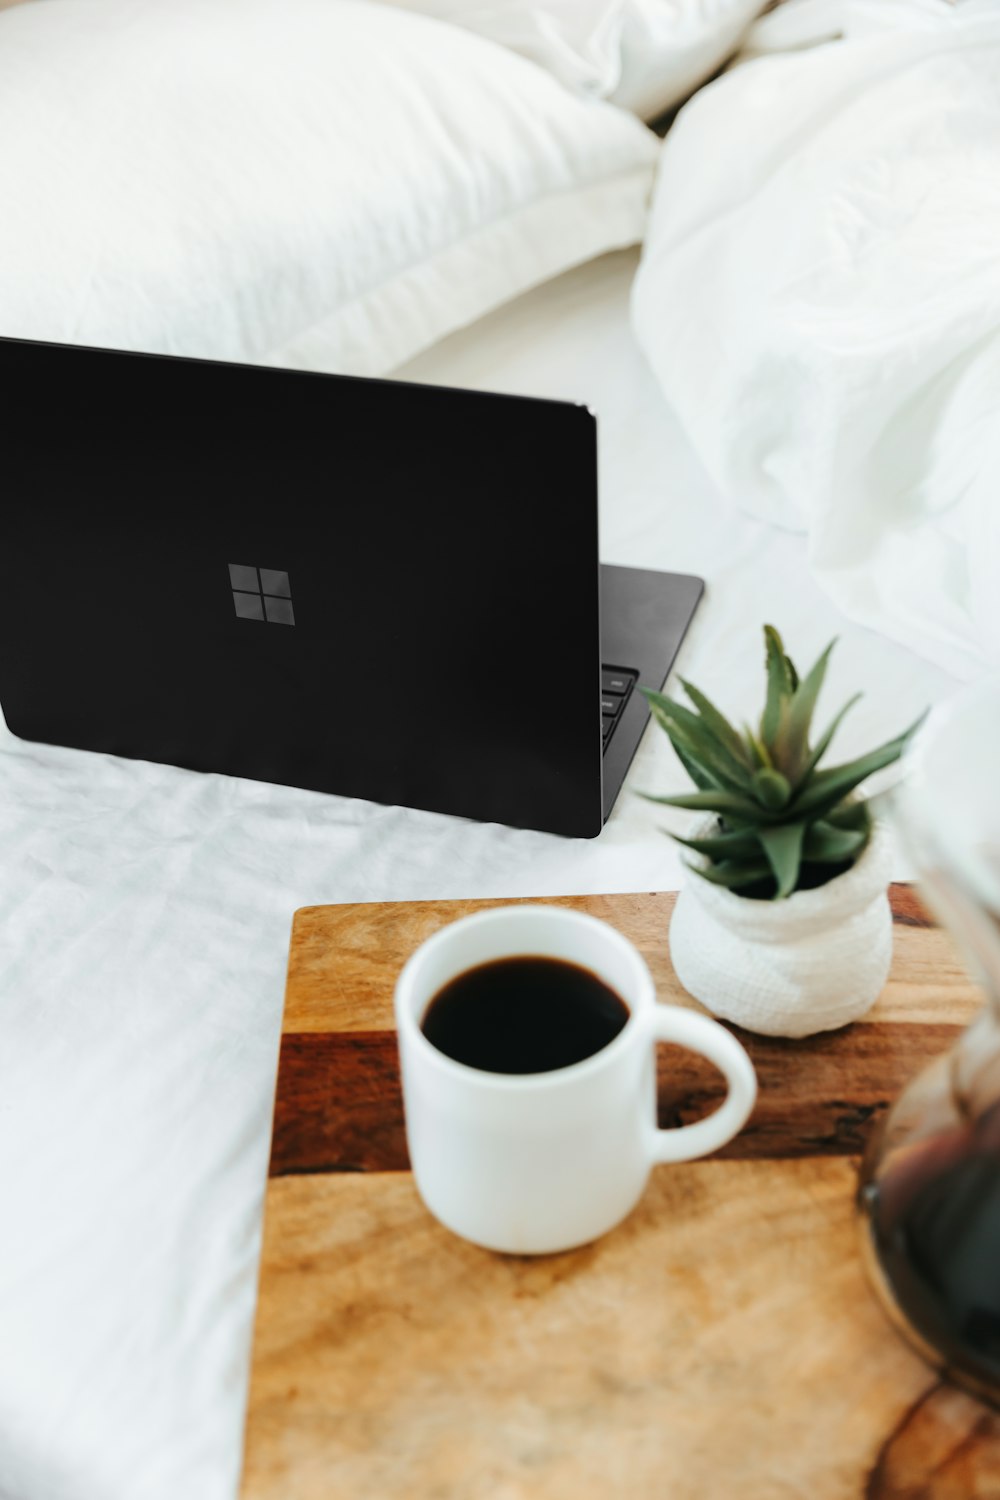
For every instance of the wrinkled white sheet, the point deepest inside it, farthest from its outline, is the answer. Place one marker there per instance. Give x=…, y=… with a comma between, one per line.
x=144, y=919
x=820, y=299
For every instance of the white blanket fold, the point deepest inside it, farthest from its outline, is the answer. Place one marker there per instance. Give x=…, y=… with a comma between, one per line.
x=820, y=298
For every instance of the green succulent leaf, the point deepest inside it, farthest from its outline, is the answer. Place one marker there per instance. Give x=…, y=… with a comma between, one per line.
x=826, y=844
x=783, y=847
x=791, y=743
x=823, y=743
x=702, y=779
x=729, y=805
x=771, y=789
x=717, y=723
x=737, y=843
x=736, y=875
x=780, y=684
x=852, y=814
x=759, y=753
x=714, y=767
x=688, y=731
x=827, y=788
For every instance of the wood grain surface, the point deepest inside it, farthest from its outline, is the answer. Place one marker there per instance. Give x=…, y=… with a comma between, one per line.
x=372, y=941
x=723, y=1341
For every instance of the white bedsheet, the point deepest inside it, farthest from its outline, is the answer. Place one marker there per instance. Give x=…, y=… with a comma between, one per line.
x=144, y=919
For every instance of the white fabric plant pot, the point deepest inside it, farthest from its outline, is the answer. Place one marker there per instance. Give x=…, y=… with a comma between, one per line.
x=812, y=962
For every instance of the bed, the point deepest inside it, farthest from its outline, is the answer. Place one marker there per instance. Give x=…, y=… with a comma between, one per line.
x=144, y=921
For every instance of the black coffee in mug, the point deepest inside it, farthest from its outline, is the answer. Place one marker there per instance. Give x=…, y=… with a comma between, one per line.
x=526, y=1014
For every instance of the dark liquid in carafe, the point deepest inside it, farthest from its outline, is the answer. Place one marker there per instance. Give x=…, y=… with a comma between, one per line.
x=935, y=1218
x=524, y=1015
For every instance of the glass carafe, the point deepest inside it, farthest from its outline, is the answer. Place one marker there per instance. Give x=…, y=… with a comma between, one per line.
x=929, y=1195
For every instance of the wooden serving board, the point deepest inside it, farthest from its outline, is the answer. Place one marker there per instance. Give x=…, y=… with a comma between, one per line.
x=722, y=1342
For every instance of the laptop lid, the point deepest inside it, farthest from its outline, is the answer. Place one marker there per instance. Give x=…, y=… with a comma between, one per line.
x=357, y=586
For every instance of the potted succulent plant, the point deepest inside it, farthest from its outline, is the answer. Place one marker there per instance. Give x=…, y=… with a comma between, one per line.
x=786, y=928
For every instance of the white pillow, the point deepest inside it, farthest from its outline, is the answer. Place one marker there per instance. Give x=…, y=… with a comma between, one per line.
x=326, y=184
x=578, y=41
x=644, y=55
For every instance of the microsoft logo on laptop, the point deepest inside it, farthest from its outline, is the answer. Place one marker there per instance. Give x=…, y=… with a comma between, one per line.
x=261, y=593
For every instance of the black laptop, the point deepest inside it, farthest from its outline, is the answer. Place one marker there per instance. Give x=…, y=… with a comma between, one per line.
x=367, y=587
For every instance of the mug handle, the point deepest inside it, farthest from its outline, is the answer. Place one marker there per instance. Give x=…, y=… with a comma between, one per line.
x=670, y=1023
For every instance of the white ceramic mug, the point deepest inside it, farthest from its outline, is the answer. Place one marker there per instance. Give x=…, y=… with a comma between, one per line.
x=539, y=1162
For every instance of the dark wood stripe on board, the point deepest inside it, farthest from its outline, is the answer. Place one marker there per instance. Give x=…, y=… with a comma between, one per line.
x=907, y=908
x=945, y=1445
x=339, y=1106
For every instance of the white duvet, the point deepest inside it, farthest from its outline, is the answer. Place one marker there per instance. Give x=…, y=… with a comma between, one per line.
x=820, y=298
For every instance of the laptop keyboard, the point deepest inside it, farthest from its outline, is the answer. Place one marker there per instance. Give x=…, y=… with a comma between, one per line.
x=616, y=687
